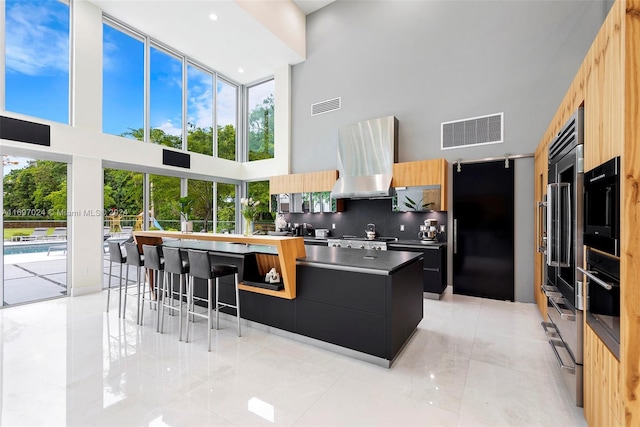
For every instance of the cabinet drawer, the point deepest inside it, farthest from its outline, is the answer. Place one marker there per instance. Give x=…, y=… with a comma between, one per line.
x=432, y=259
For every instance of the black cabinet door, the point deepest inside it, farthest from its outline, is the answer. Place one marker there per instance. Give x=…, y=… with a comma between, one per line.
x=483, y=212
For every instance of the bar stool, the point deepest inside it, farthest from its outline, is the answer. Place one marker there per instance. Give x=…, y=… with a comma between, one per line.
x=153, y=261
x=135, y=259
x=200, y=267
x=115, y=256
x=174, y=263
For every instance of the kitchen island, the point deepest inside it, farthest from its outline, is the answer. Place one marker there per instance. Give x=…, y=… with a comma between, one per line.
x=362, y=303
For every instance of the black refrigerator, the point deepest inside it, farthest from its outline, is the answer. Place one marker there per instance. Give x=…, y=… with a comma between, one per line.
x=483, y=233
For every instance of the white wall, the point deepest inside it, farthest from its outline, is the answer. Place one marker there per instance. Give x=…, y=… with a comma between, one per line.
x=428, y=62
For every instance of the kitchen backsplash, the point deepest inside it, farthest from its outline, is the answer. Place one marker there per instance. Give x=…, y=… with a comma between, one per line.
x=360, y=212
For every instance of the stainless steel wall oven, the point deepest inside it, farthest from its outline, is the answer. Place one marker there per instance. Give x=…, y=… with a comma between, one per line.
x=564, y=251
x=602, y=282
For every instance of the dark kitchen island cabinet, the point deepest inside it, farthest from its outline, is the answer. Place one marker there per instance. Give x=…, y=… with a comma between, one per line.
x=434, y=264
x=364, y=300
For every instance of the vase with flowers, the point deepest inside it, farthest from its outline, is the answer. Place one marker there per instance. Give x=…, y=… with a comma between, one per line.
x=186, y=226
x=249, y=212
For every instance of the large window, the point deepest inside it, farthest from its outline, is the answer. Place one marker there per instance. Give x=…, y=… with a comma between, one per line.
x=260, y=107
x=259, y=190
x=165, y=99
x=122, y=83
x=227, y=119
x=226, y=213
x=123, y=203
x=200, y=194
x=35, y=230
x=199, y=111
x=165, y=202
x=37, y=58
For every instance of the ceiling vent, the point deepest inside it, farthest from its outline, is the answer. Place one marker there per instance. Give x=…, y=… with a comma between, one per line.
x=474, y=131
x=326, y=106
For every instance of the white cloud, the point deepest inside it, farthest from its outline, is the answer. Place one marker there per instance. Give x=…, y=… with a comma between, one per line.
x=227, y=101
x=34, y=46
x=200, y=99
x=170, y=129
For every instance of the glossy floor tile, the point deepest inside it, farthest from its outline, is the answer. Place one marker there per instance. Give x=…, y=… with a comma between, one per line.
x=472, y=362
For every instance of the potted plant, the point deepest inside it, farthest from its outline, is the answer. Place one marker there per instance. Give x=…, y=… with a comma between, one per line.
x=186, y=226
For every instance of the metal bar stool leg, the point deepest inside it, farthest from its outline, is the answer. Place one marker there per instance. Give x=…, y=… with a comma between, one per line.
x=109, y=285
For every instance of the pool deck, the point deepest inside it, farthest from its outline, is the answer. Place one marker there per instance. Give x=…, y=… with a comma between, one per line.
x=36, y=276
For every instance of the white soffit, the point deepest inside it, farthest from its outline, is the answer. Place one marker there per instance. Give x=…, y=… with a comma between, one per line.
x=236, y=40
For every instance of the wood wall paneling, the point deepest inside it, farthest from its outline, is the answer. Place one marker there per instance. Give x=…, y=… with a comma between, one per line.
x=630, y=219
x=540, y=189
x=604, y=100
x=607, y=86
x=602, y=400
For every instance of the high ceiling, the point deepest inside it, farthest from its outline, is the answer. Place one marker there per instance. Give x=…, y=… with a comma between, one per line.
x=236, y=40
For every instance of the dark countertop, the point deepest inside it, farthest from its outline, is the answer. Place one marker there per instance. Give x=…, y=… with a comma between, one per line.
x=422, y=244
x=358, y=260
x=224, y=247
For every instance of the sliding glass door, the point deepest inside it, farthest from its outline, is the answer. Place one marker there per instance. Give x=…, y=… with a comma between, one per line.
x=34, y=223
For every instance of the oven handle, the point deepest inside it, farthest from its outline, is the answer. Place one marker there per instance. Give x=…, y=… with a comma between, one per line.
x=567, y=229
x=591, y=275
x=554, y=344
x=551, y=240
x=563, y=315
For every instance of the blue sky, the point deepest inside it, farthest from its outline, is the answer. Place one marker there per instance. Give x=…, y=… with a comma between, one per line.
x=37, y=34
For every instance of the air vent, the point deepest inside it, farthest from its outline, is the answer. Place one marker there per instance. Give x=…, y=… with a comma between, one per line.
x=473, y=131
x=326, y=106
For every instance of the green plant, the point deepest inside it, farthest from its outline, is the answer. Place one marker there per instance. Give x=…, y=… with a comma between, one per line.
x=416, y=206
x=185, y=207
x=249, y=208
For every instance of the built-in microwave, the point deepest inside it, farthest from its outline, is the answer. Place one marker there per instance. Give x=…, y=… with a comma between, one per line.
x=602, y=207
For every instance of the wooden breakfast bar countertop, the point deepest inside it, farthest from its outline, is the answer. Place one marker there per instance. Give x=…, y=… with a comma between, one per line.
x=288, y=250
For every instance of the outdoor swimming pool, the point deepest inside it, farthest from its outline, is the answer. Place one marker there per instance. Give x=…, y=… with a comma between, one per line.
x=15, y=248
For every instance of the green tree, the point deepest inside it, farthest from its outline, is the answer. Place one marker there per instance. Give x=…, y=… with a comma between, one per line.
x=157, y=136
x=29, y=187
x=226, y=200
x=227, y=142
x=200, y=140
x=261, y=139
x=123, y=191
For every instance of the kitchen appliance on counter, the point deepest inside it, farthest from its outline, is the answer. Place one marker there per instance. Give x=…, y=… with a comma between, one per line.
x=355, y=242
x=370, y=232
x=602, y=207
x=322, y=233
x=602, y=282
x=429, y=231
x=565, y=296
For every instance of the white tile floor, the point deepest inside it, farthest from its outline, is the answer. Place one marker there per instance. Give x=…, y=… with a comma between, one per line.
x=472, y=362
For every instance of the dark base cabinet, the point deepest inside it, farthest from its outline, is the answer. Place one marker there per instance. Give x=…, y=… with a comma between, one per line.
x=434, y=266
x=370, y=313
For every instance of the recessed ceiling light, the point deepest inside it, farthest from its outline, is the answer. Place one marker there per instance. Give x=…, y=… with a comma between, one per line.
x=240, y=70
x=213, y=17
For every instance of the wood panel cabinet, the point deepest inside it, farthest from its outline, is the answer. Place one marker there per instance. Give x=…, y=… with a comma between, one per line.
x=421, y=173
x=602, y=399
x=292, y=183
x=540, y=190
x=303, y=182
x=319, y=181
